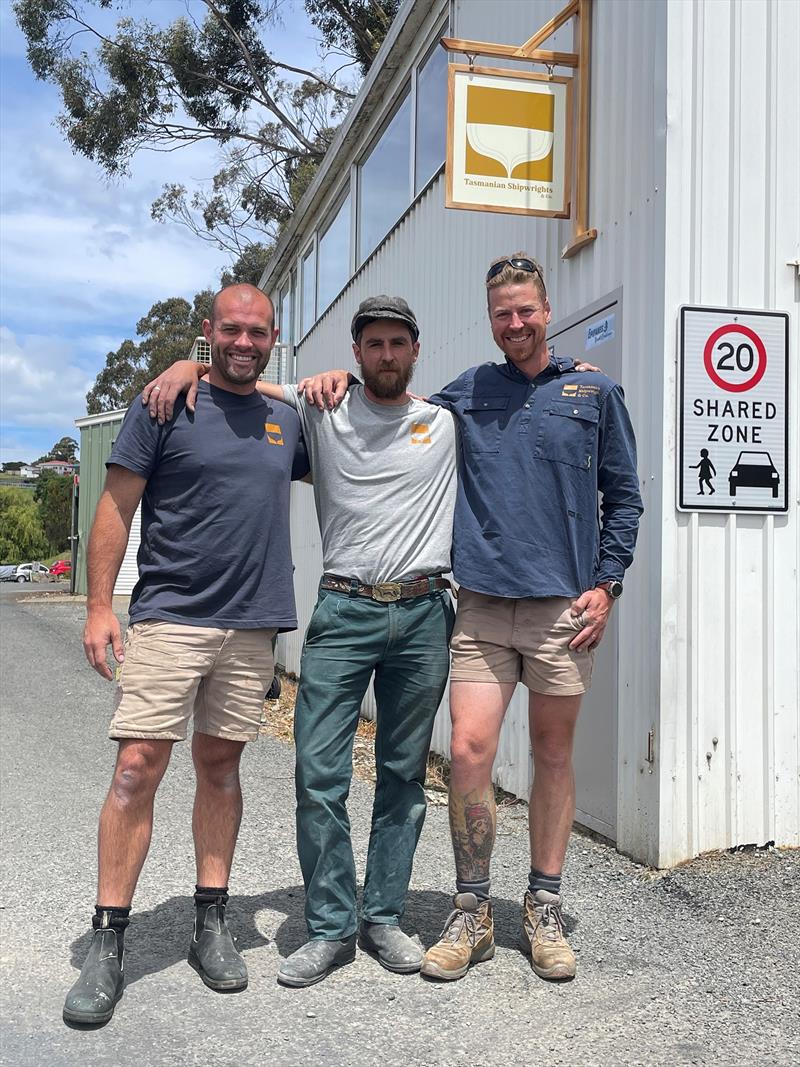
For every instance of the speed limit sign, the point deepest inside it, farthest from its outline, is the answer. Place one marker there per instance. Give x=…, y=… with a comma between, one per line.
x=733, y=410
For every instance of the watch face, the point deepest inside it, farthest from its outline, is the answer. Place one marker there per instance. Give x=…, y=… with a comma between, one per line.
x=615, y=590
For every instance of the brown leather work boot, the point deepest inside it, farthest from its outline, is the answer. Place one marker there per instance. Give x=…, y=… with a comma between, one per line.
x=468, y=937
x=543, y=936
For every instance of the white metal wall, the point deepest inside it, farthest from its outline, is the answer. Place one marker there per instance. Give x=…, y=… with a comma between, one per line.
x=437, y=258
x=694, y=166
x=729, y=672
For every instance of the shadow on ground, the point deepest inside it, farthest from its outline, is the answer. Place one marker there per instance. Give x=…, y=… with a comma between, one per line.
x=159, y=938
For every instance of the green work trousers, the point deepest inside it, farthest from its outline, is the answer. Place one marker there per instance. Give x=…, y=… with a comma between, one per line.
x=404, y=645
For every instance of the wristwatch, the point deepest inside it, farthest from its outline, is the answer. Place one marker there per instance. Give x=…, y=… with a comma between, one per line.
x=613, y=588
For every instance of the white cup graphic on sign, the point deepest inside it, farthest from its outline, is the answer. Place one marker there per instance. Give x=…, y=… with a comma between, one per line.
x=502, y=143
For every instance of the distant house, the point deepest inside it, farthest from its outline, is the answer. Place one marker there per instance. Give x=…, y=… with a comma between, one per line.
x=57, y=466
x=29, y=472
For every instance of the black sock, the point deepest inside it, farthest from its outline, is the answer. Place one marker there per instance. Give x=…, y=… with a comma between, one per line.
x=115, y=919
x=204, y=894
x=551, y=883
x=480, y=889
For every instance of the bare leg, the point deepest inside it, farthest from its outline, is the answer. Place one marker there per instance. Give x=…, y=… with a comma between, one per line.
x=477, y=710
x=126, y=821
x=552, y=808
x=217, y=806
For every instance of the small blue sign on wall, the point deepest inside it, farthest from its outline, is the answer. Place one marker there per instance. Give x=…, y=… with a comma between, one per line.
x=600, y=331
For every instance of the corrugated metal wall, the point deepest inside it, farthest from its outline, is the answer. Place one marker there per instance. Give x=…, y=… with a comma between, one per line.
x=729, y=746
x=437, y=258
x=694, y=178
x=97, y=437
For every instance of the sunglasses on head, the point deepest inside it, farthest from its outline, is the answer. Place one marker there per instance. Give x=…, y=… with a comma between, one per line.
x=518, y=264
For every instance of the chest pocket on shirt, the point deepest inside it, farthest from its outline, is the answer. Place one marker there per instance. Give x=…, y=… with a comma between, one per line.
x=568, y=434
x=483, y=422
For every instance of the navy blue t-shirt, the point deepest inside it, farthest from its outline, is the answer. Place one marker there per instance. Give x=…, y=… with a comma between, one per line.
x=215, y=545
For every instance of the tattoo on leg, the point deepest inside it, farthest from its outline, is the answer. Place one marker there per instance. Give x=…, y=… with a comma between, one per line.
x=472, y=826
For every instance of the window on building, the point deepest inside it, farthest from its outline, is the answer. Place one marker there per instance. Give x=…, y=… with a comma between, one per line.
x=384, y=182
x=334, y=255
x=308, y=283
x=285, y=324
x=431, y=126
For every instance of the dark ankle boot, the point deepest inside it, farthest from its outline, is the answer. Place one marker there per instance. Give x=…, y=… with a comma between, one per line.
x=92, y=999
x=212, y=952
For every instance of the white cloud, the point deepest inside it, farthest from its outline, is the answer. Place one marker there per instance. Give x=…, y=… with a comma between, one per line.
x=80, y=258
x=43, y=392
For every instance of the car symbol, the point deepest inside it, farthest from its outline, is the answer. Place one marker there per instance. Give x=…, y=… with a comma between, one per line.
x=754, y=470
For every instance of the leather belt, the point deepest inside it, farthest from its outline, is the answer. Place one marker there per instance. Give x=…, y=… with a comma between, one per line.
x=385, y=592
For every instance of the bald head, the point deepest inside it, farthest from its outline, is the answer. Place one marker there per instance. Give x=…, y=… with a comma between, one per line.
x=241, y=332
x=241, y=295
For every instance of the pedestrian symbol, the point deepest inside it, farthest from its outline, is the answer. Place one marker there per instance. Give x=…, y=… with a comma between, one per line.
x=705, y=472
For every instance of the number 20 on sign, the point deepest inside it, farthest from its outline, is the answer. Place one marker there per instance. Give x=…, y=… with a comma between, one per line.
x=733, y=410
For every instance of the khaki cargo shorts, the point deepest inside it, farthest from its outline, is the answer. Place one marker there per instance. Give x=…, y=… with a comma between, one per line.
x=172, y=672
x=497, y=639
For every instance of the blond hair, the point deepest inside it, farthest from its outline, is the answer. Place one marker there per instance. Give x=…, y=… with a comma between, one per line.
x=511, y=275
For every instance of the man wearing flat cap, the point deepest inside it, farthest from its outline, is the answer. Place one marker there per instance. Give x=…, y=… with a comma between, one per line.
x=384, y=469
x=385, y=485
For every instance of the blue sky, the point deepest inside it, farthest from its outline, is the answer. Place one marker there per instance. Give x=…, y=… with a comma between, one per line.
x=80, y=259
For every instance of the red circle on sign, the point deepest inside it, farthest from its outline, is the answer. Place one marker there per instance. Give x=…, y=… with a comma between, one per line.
x=711, y=370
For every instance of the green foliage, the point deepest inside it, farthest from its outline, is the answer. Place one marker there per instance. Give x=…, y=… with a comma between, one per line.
x=22, y=536
x=142, y=85
x=66, y=449
x=249, y=266
x=53, y=497
x=356, y=27
x=168, y=331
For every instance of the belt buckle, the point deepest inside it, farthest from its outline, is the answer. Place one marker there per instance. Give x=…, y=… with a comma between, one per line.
x=386, y=592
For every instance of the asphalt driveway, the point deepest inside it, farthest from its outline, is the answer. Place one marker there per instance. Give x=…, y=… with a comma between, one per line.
x=696, y=966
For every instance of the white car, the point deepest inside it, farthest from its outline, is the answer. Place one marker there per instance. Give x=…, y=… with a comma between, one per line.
x=25, y=572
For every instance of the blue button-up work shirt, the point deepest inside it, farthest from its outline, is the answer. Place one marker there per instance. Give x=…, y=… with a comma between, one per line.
x=534, y=455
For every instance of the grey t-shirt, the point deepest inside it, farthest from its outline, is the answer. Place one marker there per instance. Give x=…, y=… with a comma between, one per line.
x=384, y=484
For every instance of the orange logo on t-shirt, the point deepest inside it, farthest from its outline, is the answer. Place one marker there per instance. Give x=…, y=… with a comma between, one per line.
x=274, y=433
x=420, y=433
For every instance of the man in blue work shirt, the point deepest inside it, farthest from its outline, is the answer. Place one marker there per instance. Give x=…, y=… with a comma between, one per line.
x=538, y=579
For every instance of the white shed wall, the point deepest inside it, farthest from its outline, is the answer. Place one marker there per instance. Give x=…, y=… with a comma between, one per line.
x=730, y=632
x=695, y=156
x=437, y=258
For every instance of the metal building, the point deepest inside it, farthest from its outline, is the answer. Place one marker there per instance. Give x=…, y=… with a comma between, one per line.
x=98, y=433
x=689, y=738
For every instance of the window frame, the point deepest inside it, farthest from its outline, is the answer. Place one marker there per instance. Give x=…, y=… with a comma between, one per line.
x=328, y=219
x=403, y=95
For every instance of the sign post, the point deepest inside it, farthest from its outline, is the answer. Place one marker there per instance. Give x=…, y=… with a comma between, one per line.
x=733, y=434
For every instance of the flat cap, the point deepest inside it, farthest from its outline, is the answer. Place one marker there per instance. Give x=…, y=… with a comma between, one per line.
x=383, y=307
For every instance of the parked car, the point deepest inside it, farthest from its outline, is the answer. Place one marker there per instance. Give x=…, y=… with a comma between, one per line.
x=60, y=568
x=25, y=572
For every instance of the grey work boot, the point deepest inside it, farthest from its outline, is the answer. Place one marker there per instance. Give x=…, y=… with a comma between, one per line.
x=393, y=949
x=213, y=953
x=92, y=999
x=316, y=959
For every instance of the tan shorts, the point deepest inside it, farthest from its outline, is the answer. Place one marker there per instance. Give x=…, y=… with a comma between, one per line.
x=172, y=671
x=497, y=639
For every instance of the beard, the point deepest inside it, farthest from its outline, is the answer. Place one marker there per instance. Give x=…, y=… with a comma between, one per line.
x=242, y=375
x=388, y=384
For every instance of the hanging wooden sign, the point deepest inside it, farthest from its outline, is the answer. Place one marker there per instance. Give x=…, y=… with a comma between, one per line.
x=509, y=138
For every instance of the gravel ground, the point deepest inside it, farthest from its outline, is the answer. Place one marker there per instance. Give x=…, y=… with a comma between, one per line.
x=698, y=965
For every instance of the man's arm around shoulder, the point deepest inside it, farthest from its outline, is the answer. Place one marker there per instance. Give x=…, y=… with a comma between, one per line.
x=107, y=543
